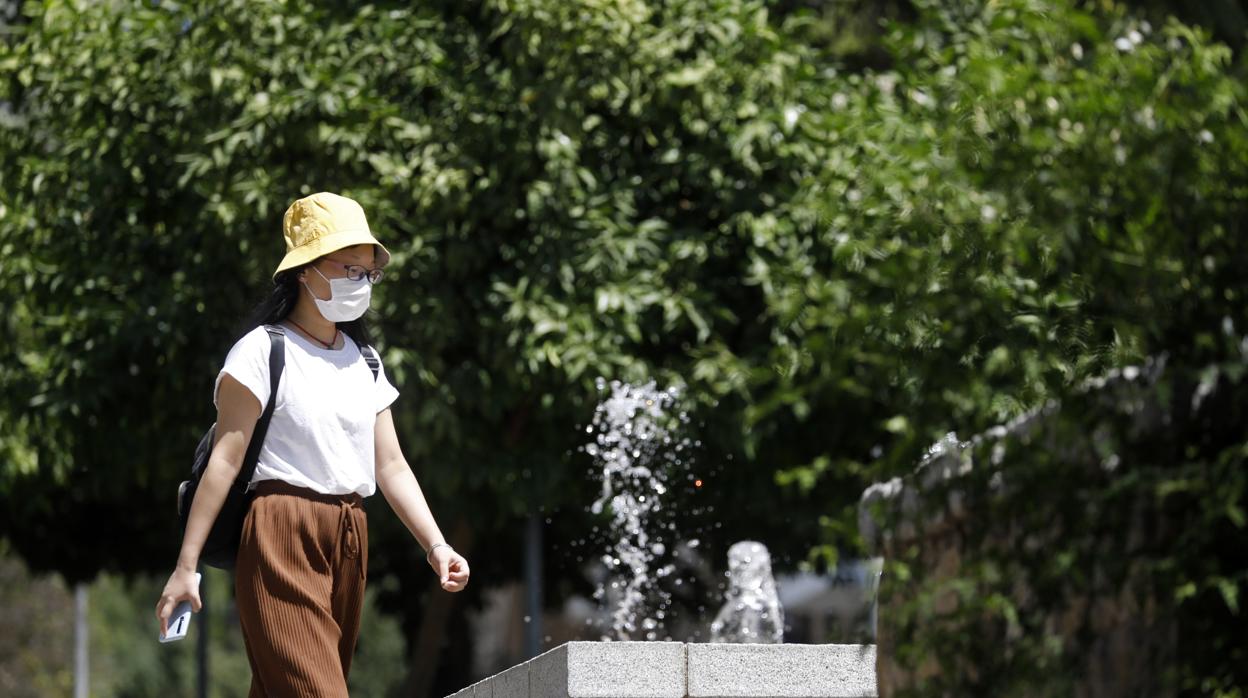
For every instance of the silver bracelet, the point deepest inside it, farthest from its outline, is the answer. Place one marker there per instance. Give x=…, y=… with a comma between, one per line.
x=434, y=547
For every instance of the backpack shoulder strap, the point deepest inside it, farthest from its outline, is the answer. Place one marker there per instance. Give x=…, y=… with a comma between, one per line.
x=277, y=360
x=370, y=357
x=277, y=363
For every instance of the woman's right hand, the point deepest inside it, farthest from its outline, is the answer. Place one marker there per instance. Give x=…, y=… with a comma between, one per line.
x=180, y=587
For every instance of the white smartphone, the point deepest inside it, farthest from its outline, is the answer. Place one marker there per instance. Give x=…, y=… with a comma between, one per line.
x=180, y=621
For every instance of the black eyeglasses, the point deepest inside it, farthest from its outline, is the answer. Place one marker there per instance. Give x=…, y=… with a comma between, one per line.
x=356, y=272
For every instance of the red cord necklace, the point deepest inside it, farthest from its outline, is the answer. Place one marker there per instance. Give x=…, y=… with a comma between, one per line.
x=328, y=345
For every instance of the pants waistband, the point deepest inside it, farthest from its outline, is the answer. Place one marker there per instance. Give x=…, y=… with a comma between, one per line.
x=281, y=487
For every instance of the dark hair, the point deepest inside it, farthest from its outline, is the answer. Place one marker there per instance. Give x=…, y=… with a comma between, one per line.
x=281, y=300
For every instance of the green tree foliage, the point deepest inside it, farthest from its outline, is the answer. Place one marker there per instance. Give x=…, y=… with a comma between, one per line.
x=37, y=649
x=1089, y=186
x=839, y=263
x=559, y=184
x=33, y=661
x=1031, y=197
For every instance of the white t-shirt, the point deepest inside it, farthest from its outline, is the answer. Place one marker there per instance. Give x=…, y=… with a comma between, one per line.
x=321, y=433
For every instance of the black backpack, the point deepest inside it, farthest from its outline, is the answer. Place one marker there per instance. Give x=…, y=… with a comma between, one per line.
x=221, y=547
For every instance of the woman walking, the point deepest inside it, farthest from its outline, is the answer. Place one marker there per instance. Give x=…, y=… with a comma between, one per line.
x=303, y=555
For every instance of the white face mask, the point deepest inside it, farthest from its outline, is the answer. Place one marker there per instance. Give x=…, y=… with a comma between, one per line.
x=348, y=299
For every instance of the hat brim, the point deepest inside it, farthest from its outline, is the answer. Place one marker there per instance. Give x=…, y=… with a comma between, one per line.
x=321, y=246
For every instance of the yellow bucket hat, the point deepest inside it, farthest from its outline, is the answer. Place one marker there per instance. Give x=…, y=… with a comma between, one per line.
x=321, y=223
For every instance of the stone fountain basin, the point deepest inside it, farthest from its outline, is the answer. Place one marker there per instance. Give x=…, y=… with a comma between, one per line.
x=686, y=670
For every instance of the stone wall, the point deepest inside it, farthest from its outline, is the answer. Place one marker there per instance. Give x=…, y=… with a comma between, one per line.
x=1022, y=562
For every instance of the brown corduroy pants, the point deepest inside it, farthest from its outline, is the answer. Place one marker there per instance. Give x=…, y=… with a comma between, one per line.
x=299, y=583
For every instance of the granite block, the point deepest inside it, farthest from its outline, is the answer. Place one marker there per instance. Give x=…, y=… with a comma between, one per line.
x=781, y=671
x=610, y=670
x=513, y=683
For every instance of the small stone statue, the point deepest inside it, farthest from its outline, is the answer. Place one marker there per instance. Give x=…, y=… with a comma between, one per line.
x=751, y=611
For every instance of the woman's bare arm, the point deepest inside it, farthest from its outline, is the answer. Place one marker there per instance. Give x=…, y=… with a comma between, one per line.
x=398, y=484
x=237, y=413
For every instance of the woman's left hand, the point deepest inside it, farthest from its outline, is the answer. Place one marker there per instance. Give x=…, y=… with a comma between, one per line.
x=451, y=567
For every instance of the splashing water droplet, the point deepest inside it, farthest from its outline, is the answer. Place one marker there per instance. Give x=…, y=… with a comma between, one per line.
x=634, y=451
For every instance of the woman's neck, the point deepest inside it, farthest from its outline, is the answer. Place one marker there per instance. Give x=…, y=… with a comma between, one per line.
x=311, y=321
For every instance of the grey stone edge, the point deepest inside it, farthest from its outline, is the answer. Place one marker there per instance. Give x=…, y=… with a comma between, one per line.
x=680, y=670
